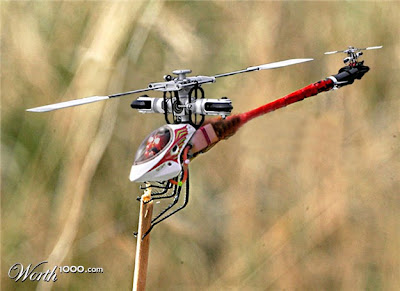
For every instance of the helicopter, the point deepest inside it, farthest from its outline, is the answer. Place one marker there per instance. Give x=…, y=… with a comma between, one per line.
x=184, y=107
x=162, y=159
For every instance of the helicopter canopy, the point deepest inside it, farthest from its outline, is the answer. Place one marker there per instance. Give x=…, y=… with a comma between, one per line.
x=153, y=145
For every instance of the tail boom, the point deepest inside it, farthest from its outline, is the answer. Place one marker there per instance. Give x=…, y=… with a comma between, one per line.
x=308, y=91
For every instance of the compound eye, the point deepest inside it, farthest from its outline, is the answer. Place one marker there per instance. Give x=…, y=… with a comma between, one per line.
x=175, y=149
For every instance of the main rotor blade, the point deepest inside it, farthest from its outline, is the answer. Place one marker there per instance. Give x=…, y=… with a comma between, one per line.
x=266, y=67
x=374, y=47
x=66, y=104
x=86, y=100
x=280, y=64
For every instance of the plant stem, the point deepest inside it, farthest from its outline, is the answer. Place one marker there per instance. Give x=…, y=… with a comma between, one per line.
x=143, y=245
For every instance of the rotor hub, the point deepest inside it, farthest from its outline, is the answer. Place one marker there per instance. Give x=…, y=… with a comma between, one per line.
x=181, y=73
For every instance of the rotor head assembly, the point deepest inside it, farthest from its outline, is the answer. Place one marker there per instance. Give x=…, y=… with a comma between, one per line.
x=353, y=54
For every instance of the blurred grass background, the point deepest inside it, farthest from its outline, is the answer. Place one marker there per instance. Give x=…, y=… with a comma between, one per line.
x=304, y=198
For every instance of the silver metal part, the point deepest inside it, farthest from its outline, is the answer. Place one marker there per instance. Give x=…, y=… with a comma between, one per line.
x=155, y=105
x=181, y=74
x=201, y=80
x=220, y=107
x=165, y=86
x=212, y=107
x=336, y=83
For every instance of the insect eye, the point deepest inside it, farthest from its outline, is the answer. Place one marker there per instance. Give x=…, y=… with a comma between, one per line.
x=175, y=150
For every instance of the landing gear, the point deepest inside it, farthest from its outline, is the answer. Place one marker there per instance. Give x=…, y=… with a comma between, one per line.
x=168, y=190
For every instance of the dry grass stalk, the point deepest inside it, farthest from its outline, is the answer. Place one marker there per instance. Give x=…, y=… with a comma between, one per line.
x=143, y=245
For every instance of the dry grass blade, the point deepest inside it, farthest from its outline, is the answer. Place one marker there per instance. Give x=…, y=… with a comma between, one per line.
x=81, y=168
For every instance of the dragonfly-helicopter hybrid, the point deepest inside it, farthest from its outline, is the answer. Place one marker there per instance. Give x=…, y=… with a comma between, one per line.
x=162, y=160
